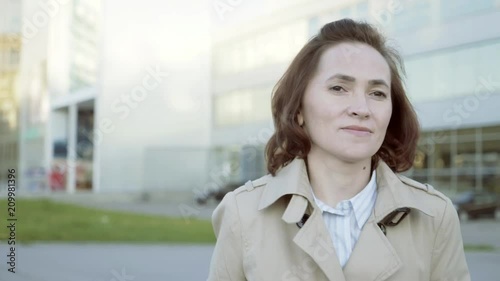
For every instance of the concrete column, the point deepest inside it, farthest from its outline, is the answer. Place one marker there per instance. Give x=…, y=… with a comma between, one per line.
x=453, y=152
x=96, y=141
x=48, y=147
x=431, y=164
x=71, y=158
x=479, y=159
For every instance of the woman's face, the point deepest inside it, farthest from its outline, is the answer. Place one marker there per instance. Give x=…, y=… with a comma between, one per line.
x=347, y=104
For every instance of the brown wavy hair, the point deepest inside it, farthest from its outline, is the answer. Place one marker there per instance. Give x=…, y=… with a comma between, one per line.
x=290, y=140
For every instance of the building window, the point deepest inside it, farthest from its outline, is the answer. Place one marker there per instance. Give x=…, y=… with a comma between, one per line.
x=458, y=160
x=437, y=76
x=276, y=46
x=242, y=107
x=453, y=9
x=14, y=57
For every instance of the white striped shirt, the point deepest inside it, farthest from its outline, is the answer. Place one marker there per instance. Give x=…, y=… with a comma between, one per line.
x=346, y=220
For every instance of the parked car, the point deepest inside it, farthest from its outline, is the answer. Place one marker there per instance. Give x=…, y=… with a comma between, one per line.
x=475, y=204
x=217, y=194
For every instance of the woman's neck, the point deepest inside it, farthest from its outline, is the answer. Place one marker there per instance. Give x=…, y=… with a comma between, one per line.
x=334, y=180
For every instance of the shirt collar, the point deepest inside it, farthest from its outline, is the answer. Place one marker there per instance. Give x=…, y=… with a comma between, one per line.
x=393, y=190
x=362, y=203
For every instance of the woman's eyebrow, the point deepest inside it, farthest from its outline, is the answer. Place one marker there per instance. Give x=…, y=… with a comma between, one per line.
x=378, y=82
x=342, y=77
x=374, y=82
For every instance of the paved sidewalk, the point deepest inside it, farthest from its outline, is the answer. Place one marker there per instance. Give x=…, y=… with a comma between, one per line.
x=119, y=262
x=482, y=232
x=108, y=262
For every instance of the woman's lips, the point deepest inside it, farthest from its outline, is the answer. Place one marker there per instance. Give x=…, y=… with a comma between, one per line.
x=357, y=131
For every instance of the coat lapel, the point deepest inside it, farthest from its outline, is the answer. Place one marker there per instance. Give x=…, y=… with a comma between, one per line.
x=373, y=250
x=313, y=238
x=373, y=258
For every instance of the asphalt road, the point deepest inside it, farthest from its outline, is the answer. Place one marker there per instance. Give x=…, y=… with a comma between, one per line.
x=96, y=262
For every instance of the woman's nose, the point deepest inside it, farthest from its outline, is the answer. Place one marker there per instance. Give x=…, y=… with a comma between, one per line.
x=359, y=107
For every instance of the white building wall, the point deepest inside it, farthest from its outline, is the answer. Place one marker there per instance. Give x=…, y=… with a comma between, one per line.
x=32, y=90
x=470, y=29
x=155, y=92
x=477, y=110
x=58, y=50
x=10, y=20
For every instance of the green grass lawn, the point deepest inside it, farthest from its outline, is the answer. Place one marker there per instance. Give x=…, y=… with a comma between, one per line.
x=479, y=248
x=45, y=220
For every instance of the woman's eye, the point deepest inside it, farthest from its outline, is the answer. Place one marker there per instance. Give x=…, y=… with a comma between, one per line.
x=379, y=94
x=337, y=89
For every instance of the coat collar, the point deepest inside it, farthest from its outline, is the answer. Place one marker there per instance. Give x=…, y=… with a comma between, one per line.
x=373, y=249
x=292, y=179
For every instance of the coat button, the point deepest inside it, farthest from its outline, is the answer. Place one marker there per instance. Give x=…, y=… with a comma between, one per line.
x=302, y=221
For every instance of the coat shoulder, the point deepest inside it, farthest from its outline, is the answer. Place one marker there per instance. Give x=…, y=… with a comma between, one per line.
x=425, y=187
x=250, y=186
x=426, y=198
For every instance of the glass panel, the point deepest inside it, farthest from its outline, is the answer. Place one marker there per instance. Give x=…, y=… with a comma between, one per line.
x=436, y=76
x=234, y=164
x=424, y=149
x=466, y=135
x=419, y=77
x=242, y=106
x=465, y=72
x=442, y=157
x=262, y=101
x=224, y=110
x=443, y=78
x=491, y=157
x=491, y=183
x=421, y=158
x=465, y=160
x=442, y=183
x=410, y=14
x=491, y=130
x=466, y=182
x=245, y=101
x=421, y=177
x=437, y=137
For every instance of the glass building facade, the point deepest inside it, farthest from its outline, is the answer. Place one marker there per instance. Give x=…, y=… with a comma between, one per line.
x=84, y=41
x=455, y=156
x=461, y=159
x=10, y=49
x=10, y=46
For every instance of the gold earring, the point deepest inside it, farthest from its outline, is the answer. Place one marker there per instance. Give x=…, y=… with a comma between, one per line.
x=300, y=120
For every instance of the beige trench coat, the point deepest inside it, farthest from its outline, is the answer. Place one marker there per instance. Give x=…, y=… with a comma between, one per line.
x=259, y=237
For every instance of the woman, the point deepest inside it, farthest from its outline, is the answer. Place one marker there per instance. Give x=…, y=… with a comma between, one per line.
x=333, y=206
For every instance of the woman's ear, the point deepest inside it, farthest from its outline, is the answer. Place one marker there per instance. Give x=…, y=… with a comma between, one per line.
x=300, y=119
